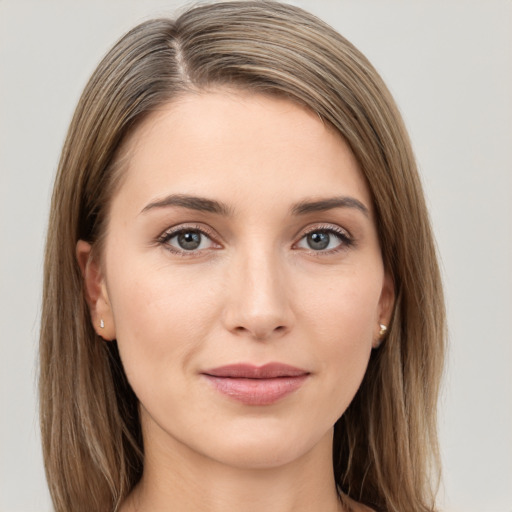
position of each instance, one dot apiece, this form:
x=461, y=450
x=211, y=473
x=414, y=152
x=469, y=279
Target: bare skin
x=242, y=232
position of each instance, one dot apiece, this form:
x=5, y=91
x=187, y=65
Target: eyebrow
x=211, y=206
x=190, y=202
x=305, y=207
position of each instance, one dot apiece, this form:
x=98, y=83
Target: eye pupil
x=318, y=240
x=189, y=240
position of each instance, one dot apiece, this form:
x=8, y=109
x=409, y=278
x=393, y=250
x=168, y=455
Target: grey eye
x=189, y=240
x=324, y=240
x=318, y=240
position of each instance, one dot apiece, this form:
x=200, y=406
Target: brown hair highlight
x=385, y=448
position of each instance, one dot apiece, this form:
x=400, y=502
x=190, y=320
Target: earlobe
x=95, y=291
x=387, y=299
x=386, y=305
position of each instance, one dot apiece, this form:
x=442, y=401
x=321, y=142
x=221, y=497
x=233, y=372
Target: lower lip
x=257, y=391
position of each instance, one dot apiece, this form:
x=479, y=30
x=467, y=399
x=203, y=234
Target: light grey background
x=449, y=66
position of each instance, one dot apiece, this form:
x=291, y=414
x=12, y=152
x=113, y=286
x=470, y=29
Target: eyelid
x=171, y=232
x=323, y=226
x=346, y=238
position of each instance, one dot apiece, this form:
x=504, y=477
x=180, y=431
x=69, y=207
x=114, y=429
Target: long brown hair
x=385, y=445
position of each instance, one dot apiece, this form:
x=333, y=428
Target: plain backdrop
x=449, y=65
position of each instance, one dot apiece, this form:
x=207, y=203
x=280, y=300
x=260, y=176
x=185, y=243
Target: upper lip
x=250, y=371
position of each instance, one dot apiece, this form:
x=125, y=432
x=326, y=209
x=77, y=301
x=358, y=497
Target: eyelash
x=346, y=240
x=164, y=238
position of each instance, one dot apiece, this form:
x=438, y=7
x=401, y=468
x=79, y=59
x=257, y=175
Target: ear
x=95, y=290
x=386, y=305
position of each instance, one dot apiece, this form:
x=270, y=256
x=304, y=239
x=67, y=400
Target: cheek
x=345, y=308
x=161, y=317
x=341, y=322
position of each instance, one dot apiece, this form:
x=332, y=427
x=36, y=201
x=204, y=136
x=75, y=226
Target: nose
x=258, y=299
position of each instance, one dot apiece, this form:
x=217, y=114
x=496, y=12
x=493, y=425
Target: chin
x=265, y=447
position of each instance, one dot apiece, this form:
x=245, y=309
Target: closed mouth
x=256, y=385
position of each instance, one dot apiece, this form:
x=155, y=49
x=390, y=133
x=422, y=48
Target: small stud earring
x=102, y=323
x=383, y=330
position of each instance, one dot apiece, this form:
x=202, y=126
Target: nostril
x=260, y=333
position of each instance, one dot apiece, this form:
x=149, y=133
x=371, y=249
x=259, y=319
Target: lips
x=256, y=385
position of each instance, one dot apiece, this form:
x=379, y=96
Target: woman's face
x=241, y=276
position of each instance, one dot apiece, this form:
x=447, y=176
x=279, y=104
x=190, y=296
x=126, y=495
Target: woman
x=242, y=305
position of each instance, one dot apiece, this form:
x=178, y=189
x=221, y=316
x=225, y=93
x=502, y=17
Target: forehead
x=238, y=146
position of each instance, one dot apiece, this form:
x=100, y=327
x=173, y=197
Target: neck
x=178, y=479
